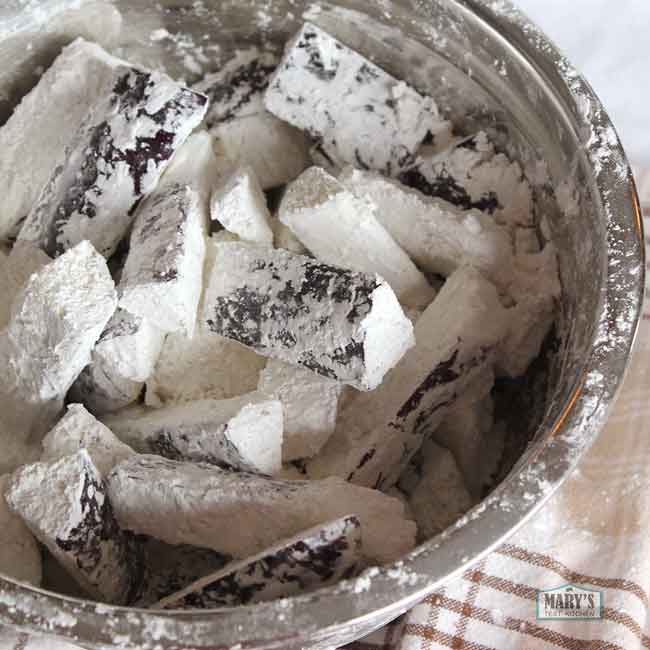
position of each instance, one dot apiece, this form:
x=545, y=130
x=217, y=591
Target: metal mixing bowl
x=488, y=67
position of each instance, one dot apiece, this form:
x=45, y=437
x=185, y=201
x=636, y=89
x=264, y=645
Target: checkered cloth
x=593, y=534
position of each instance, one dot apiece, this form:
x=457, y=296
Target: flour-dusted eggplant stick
x=242, y=514
x=360, y=114
x=309, y=405
x=115, y=159
x=438, y=236
x=471, y=174
x=34, y=139
x=162, y=277
x=378, y=433
x=242, y=433
x=247, y=134
x=314, y=558
x=237, y=89
x=65, y=505
x=77, y=430
x=55, y=321
x=339, y=228
x=123, y=359
x=342, y=324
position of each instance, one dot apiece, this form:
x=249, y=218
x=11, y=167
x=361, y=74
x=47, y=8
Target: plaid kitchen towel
x=593, y=535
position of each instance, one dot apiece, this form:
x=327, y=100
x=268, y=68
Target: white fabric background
x=609, y=41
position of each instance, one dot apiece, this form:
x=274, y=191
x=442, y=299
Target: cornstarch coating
x=242, y=514
x=20, y=557
x=344, y=325
x=314, y=558
x=123, y=359
x=247, y=134
x=339, y=228
x=242, y=433
x=309, y=406
x=77, y=430
x=64, y=504
x=115, y=158
x=361, y=115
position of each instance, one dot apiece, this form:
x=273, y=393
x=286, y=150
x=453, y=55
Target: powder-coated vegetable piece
x=314, y=558
x=123, y=359
x=342, y=324
x=65, y=505
x=361, y=115
x=242, y=433
x=339, y=228
x=242, y=514
x=114, y=160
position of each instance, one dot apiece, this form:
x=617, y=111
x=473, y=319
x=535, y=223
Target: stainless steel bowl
x=488, y=66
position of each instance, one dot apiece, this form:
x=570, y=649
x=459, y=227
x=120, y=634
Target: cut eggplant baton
x=340, y=228
x=115, y=159
x=344, y=325
x=314, y=558
x=243, y=433
x=242, y=514
x=361, y=115
x=64, y=504
x=123, y=359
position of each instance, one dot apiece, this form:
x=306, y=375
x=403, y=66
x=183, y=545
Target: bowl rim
x=383, y=593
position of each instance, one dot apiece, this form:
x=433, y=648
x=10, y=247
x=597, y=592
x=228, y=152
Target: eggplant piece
x=312, y=559
x=344, y=325
x=359, y=113
x=241, y=514
x=242, y=433
x=339, y=228
x=115, y=159
x=66, y=507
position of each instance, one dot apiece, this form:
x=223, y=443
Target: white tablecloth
x=609, y=41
